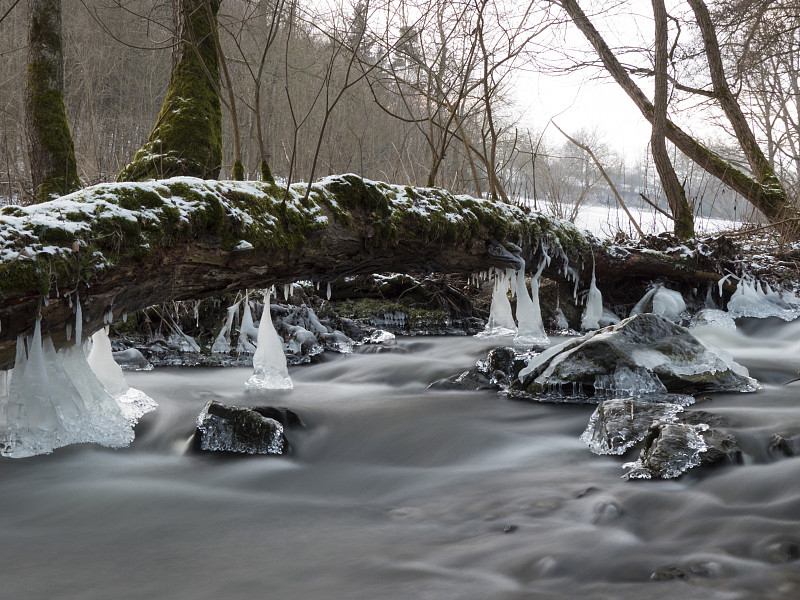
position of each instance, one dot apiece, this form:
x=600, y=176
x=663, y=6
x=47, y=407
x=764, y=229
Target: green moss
x=135, y=198
x=354, y=193
x=55, y=236
x=237, y=174
x=12, y=211
x=266, y=173
x=187, y=139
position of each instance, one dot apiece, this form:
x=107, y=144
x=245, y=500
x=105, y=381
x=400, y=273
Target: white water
x=399, y=492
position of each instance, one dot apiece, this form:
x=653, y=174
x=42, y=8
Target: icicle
x=197, y=313
x=46, y=300
x=529, y=315
x=247, y=331
x=69, y=299
x=124, y=317
x=594, y=306
x=78, y=320
x=287, y=291
x=328, y=292
x=222, y=345
x=69, y=331
x=269, y=363
x=501, y=321
x=511, y=275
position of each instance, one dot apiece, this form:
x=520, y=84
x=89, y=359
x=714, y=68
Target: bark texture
x=187, y=138
x=676, y=196
x=54, y=170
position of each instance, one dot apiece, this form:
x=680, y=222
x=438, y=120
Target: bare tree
x=760, y=188
x=676, y=196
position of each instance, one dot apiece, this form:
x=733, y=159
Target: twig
x=656, y=206
x=588, y=150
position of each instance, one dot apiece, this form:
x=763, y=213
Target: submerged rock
x=641, y=355
x=253, y=430
x=618, y=424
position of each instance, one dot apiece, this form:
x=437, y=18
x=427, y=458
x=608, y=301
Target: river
x=399, y=492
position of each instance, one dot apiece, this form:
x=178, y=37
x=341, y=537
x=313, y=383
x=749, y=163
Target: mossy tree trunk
x=187, y=138
x=54, y=170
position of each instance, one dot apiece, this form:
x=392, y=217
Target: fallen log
x=119, y=247
x=116, y=248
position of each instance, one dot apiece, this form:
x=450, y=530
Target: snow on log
x=119, y=247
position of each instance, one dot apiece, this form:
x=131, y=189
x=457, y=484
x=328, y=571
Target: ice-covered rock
x=501, y=320
x=635, y=357
x=379, y=336
x=222, y=428
x=670, y=449
x=661, y=301
x=713, y=317
x=751, y=299
x=132, y=360
x=620, y=423
x=530, y=331
x=269, y=362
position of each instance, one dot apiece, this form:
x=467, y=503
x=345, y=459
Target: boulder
x=243, y=430
x=618, y=424
x=641, y=355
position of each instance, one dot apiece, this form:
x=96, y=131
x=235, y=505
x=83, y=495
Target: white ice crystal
x=529, y=316
x=269, y=362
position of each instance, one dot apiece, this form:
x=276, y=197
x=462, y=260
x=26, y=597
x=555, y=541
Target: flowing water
x=395, y=491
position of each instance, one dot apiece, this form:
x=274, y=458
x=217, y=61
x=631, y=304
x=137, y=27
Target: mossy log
x=119, y=247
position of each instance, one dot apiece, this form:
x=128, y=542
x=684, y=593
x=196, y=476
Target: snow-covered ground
x=604, y=221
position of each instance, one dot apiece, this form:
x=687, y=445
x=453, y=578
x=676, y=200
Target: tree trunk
x=676, y=196
x=187, y=138
x=51, y=151
x=771, y=200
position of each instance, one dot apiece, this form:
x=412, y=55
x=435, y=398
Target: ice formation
x=501, y=321
x=619, y=424
x=594, y=307
x=661, y=301
x=269, y=363
x=752, y=300
x=529, y=315
x=222, y=344
x=248, y=332
x=134, y=403
x=53, y=399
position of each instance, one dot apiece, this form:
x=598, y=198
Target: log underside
x=349, y=227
